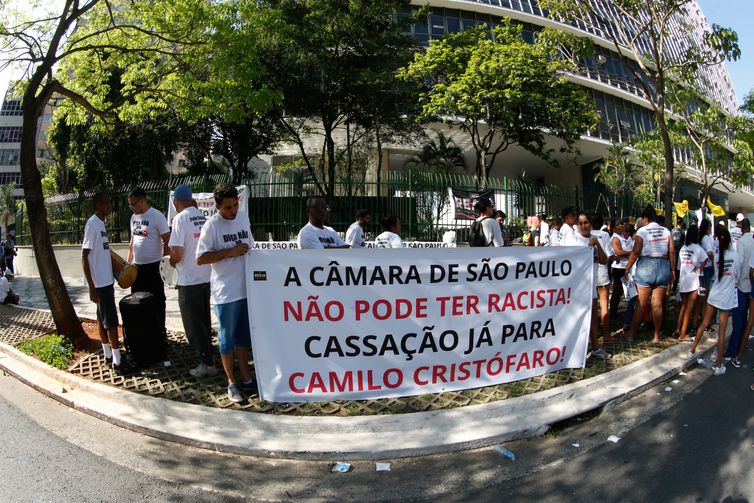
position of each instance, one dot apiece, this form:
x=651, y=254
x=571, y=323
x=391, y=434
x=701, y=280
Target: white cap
x=739, y=217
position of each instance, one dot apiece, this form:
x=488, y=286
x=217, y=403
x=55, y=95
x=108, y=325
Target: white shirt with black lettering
x=146, y=232
x=355, y=235
x=96, y=241
x=228, y=278
x=391, y=240
x=187, y=228
x=314, y=238
x=691, y=258
x=626, y=244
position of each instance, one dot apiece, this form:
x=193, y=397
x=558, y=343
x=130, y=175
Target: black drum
x=142, y=329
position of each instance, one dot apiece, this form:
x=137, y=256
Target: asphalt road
x=694, y=442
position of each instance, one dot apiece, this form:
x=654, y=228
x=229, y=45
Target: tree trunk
x=63, y=313
x=330, y=152
x=378, y=138
x=669, y=168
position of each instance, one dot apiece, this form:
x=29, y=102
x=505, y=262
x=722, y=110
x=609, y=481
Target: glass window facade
x=6, y=178
x=9, y=157
x=11, y=107
x=10, y=134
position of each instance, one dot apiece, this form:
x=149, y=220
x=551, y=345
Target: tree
x=640, y=31
x=134, y=35
x=501, y=91
x=7, y=205
x=715, y=142
x=335, y=63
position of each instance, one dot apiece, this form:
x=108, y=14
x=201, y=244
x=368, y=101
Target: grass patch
x=55, y=350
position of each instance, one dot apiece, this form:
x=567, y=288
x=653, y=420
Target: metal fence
x=277, y=204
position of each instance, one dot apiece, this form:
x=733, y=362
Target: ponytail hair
x=723, y=240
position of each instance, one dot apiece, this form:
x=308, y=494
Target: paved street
x=693, y=443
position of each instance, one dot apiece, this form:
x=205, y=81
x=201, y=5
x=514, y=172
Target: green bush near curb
x=55, y=350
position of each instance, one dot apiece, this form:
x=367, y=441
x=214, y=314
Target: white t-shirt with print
x=723, y=294
x=579, y=240
x=568, y=236
x=655, y=240
x=4, y=288
x=100, y=263
x=392, y=240
x=314, y=238
x=690, y=258
x=493, y=235
x=355, y=235
x=146, y=232
x=708, y=245
x=627, y=244
x=228, y=278
x=187, y=227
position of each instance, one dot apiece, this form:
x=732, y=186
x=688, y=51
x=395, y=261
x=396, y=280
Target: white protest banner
x=293, y=245
x=360, y=324
x=416, y=244
x=205, y=201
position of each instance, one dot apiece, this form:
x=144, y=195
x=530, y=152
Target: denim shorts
x=234, y=326
x=652, y=272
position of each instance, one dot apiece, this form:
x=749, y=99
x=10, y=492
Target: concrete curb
x=353, y=438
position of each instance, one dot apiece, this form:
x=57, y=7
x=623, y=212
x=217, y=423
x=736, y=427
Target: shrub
x=55, y=350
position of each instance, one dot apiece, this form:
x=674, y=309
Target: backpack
x=476, y=233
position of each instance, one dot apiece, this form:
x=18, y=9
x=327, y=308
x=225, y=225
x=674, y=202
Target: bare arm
x=176, y=255
x=618, y=249
x=93, y=295
x=165, y=247
x=131, y=250
x=217, y=256
x=638, y=245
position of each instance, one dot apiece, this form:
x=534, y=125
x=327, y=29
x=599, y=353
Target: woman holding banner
x=585, y=238
x=655, y=269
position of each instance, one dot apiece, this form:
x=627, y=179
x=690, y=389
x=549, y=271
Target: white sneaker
x=718, y=371
x=200, y=371
x=687, y=356
x=211, y=370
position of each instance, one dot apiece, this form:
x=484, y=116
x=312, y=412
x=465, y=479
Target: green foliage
x=619, y=174
x=501, y=91
x=54, y=350
x=8, y=206
x=439, y=156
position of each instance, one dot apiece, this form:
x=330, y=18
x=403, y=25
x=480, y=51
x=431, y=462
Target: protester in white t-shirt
x=193, y=279
x=544, y=231
x=585, y=238
x=224, y=242
x=315, y=235
x=557, y=223
x=745, y=250
x=722, y=296
x=490, y=227
x=707, y=274
x=98, y=271
x=691, y=258
x=391, y=238
x=6, y=293
x=736, y=232
x=603, y=275
x=355, y=233
x=149, y=243
x=655, y=270
x=569, y=228
x=750, y=323
x=621, y=244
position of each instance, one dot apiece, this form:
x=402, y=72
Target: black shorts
x=106, y=312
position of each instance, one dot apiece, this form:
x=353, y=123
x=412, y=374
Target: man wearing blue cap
x=193, y=279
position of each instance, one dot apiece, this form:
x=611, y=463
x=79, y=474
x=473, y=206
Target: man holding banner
x=224, y=241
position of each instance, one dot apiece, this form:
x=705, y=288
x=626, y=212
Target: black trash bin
x=142, y=330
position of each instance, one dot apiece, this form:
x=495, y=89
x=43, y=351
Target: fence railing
x=277, y=204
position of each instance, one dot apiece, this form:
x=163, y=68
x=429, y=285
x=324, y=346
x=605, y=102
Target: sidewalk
x=170, y=404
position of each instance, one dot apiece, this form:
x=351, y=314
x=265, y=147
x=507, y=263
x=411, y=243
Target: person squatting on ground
x=722, y=296
x=149, y=243
x=622, y=243
x=6, y=293
x=603, y=273
x=193, y=280
x=745, y=251
x=98, y=271
x=355, y=234
x=224, y=242
x=692, y=259
x=315, y=235
x=653, y=248
x=490, y=227
x=585, y=238
x=390, y=238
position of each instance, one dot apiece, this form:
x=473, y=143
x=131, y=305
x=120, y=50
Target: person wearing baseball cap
x=193, y=279
x=736, y=232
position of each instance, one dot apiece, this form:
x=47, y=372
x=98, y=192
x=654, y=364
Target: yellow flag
x=716, y=210
x=681, y=208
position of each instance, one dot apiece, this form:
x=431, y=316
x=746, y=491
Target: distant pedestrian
x=500, y=217
x=149, y=243
x=356, y=232
x=722, y=296
x=315, y=234
x=621, y=243
x=678, y=235
x=569, y=229
x=485, y=230
x=544, y=230
x=98, y=271
x=9, y=251
x=737, y=231
x=708, y=275
x=603, y=273
x=224, y=242
x=390, y=237
x=193, y=279
x=740, y=314
x=557, y=223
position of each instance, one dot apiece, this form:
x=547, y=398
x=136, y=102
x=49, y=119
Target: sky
x=736, y=14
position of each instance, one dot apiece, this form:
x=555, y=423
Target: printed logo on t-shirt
x=103, y=234
x=236, y=237
x=326, y=241
x=106, y=245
